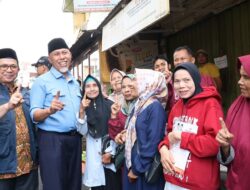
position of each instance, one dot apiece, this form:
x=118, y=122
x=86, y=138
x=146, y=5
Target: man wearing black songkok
x=55, y=102
x=18, y=160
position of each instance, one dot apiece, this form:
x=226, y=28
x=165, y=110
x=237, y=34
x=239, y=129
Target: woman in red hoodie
x=189, y=149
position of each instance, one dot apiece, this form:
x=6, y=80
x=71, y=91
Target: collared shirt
x=44, y=90
x=24, y=160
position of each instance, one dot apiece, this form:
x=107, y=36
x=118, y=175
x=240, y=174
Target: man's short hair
x=185, y=47
x=160, y=57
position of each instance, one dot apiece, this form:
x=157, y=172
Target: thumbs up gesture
x=16, y=99
x=56, y=104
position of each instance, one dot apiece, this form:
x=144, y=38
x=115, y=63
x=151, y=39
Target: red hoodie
x=202, y=112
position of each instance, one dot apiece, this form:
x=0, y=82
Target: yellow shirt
x=209, y=69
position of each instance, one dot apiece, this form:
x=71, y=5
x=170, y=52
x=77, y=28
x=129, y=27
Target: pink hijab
x=238, y=122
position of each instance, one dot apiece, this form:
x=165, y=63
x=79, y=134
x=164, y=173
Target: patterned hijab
x=152, y=86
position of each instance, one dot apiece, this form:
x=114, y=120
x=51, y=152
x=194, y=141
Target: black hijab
x=195, y=74
x=98, y=113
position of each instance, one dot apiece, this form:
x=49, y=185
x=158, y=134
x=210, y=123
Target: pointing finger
x=18, y=90
x=223, y=125
x=57, y=95
x=85, y=96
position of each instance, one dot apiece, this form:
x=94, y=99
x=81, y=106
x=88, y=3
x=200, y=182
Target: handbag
x=105, y=143
x=155, y=170
x=119, y=157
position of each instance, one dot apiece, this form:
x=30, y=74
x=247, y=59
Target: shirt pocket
x=51, y=95
x=62, y=94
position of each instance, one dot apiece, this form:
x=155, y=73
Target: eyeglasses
x=5, y=67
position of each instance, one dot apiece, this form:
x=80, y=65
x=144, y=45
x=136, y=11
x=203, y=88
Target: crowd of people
x=176, y=114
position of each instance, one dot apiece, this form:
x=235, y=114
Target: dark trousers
x=113, y=181
x=60, y=160
x=24, y=182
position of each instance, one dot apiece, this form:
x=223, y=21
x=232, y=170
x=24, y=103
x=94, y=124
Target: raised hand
x=85, y=102
x=115, y=108
x=56, y=104
x=121, y=137
x=224, y=137
x=168, y=76
x=16, y=98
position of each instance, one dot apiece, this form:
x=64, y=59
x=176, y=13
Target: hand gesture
x=168, y=76
x=224, y=137
x=167, y=159
x=115, y=108
x=121, y=137
x=16, y=99
x=56, y=104
x=85, y=102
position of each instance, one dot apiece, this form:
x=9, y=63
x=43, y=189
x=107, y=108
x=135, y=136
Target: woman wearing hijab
x=144, y=130
x=234, y=139
x=115, y=81
x=119, y=113
x=188, y=151
x=93, y=122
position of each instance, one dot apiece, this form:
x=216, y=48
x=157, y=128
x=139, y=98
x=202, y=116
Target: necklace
x=94, y=105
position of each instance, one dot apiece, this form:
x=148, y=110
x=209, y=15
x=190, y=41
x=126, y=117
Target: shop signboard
x=138, y=54
x=221, y=62
x=136, y=16
x=94, y=5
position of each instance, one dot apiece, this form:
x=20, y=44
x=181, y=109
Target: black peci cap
x=8, y=53
x=57, y=43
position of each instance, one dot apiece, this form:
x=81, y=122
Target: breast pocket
x=58, y=93
x=52, y=94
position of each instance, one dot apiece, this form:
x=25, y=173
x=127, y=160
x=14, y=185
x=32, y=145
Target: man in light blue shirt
x=55, y=100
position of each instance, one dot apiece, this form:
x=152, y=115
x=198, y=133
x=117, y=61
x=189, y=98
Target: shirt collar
x=57, y=74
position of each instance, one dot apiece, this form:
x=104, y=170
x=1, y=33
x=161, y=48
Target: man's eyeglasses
x=5, y=67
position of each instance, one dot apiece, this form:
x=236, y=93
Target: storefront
x=123, y=40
